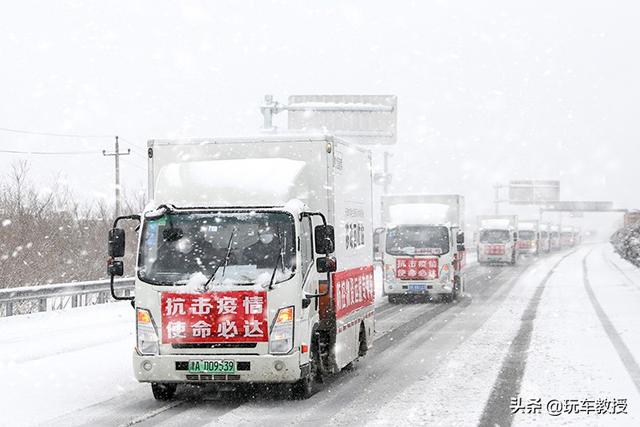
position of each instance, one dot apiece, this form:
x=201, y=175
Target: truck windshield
x=417, y=239
x=181, y=247
x=527, y=235
x=494, y=236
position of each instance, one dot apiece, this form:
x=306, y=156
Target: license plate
x=416, y=287
x=212, y=366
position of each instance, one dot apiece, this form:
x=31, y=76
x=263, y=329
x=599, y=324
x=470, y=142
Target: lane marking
x=507, y=385
x=623, y=351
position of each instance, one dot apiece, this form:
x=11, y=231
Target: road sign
x=530, y=192
x=363, y=119
x=581, y=206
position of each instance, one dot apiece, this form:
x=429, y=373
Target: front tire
x=393, y=299
x=163, y=391
x=304, y=388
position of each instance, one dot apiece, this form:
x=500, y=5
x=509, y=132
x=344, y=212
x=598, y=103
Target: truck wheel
x=393, y=299
x=163, y=391
x=305, y=387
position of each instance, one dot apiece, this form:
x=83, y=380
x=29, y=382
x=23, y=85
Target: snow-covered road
x=562, y=329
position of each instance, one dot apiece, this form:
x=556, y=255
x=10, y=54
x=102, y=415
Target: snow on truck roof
x=421, y=213
x=498, y=223
x=259, y=181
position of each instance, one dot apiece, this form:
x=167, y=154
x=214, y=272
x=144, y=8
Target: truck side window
x=306, y=247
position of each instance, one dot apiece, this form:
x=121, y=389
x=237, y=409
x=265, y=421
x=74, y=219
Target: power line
x=52, y=153
x=61, y=135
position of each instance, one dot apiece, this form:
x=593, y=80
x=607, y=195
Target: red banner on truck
x=353, y=289
x=214, y=317
x=417, y=268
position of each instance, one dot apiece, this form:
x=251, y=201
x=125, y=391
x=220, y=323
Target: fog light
x=146, y=365
x=279, y=365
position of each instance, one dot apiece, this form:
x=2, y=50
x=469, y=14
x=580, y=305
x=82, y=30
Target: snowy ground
x=535, y=331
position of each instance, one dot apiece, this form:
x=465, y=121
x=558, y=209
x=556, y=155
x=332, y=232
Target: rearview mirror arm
x=113, y=291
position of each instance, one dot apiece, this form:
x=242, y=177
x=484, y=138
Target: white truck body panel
x=278, y=173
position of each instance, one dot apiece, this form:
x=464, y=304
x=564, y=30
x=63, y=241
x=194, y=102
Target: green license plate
x=212, y=366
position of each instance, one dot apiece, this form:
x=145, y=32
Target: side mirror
x=324, y=237
x=460, y=238
x=326, y=264
x=116, y=242
x=115, y=268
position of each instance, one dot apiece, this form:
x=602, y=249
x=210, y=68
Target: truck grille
x=214, y=377
x=216, y=345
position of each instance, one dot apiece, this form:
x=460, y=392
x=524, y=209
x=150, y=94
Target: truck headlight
x=146, y=332
x=281, y=337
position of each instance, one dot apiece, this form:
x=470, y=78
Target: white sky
x=488, y=90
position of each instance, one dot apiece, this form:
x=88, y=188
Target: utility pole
x=116, y=154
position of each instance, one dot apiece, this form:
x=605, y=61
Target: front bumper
x=493, y=258
x=262, y=368
x=528, y=251
x=417, y=288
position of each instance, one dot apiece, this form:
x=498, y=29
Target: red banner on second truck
x=417, y=268
x=214, y=317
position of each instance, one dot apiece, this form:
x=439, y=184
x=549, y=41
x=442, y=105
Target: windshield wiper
x=222, y=262
x=278, y=259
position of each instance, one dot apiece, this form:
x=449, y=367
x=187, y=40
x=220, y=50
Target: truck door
x=310, y=282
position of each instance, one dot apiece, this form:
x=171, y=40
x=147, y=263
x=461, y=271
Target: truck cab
x=545, y=238
x=529, y=238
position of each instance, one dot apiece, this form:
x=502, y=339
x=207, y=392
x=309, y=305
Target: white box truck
x=255, y=261
x=554, y=237
x=422, y=246
x=529, y=237
x=545, y=237
x=498, y=238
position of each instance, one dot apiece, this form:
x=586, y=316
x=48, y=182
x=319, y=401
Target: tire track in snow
x=617, y=267
x=621, y=348
x=509, y=379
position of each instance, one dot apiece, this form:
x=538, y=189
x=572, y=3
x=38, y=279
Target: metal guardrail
x=32, y=299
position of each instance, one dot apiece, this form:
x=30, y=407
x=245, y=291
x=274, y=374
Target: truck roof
x=416, y=209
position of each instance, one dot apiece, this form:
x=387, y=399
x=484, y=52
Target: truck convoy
x=241, y=276
x=498, y=237
x=529, y=237
x=423, y=246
